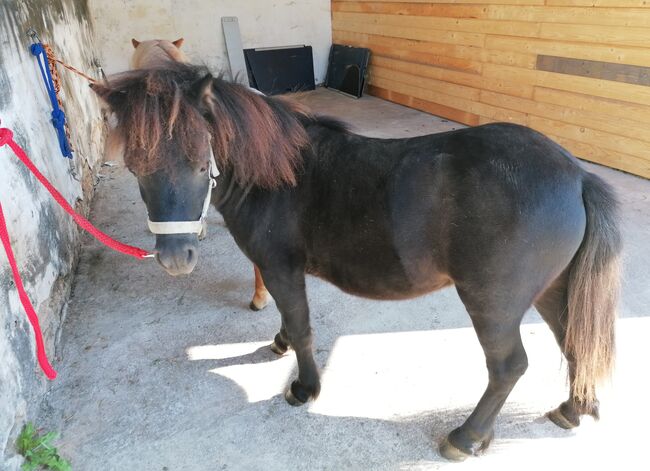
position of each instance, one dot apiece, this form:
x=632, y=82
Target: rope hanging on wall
x=6, y=137
x=47, y=65
x=58, y=116
x=50, y=76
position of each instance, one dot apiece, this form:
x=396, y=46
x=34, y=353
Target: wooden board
x=598, y=3
x=598, y=52
x=634, y=74
x=571, y=15
x=611, y=109
x=596, y=34
x=468, y=25
x=388, y=47
x=494, y=2
x=439, y=110
x=480, y=82
x=586, y=85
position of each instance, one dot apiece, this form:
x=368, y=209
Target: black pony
x=499, y=211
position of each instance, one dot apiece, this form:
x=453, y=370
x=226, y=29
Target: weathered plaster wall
x=43, y=237
x=263, y=23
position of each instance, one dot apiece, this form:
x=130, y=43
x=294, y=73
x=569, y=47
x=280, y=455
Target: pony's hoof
x=278, y=346
x=291, y=399
x=257, y=306
x=297, y=394
x=558, y=418
x=460, y=453
x=450, y=452
x=278, y=349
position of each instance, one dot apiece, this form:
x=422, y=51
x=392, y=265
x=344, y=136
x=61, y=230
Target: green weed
x=38, y=450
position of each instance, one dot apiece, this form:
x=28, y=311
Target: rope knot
x=36, y=49
x=58, y=118
x=6, y=136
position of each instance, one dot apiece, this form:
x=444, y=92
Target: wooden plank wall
x=476, y=61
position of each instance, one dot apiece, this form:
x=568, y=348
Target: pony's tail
x=593, y=291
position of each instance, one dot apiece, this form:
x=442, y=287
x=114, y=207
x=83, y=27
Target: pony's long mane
x=260, y=139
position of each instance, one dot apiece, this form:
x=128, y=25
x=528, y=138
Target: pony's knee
x=508, y=371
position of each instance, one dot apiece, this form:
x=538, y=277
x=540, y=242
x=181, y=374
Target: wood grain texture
x=389, y=45
x=461, y=2
x=600, y=3
x=577, y=70
x=610, y=109
x=460, y=78
x=569, y=15
x=455, y=2
x=469, y=119
x=598, y=52
x=596, y=34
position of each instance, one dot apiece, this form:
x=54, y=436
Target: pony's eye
x=203, y=169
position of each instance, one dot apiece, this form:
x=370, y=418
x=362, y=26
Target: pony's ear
x=135, y=42
x=201, y=92
x=178, y=43
x=114, y=98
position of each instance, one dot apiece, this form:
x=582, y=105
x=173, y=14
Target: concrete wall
x=263, y=23
x=44, y=239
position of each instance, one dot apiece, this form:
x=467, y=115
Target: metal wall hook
x=31, y=32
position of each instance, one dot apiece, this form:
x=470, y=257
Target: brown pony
x=156, y=53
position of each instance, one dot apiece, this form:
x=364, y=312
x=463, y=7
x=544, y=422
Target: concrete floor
x=162, y=373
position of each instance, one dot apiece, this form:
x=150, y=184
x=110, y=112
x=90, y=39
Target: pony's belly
x=386, y=286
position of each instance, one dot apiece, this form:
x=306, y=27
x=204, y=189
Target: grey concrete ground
x=161, y=373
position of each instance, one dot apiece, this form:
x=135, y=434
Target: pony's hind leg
x=552, y=305
x=261, y=297
x=497, y=327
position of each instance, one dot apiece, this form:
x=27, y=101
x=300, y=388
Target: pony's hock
x=383, y=219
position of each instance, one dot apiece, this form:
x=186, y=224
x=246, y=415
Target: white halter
x=190, y=227
x=193, y=227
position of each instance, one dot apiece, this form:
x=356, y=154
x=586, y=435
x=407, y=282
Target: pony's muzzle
x=177, y=253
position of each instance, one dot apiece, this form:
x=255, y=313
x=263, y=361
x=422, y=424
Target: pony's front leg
x=288, y=290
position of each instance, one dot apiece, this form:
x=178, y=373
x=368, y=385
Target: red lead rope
x=27, y=304
x=6, y=137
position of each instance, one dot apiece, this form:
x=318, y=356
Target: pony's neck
x=229, y=196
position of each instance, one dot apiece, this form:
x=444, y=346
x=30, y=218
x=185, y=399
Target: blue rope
x=58, y=116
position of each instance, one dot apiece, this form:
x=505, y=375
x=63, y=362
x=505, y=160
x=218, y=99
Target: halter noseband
x=190, y=227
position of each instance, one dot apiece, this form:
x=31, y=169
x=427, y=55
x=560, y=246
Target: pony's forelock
x=155, y=120
x=160, y=114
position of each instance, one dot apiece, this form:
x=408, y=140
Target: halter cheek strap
x=190, y=227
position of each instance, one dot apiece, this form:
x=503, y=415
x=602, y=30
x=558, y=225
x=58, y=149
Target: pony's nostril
x=191, y=255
